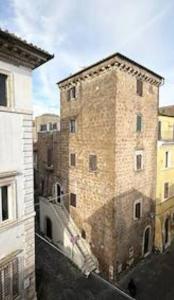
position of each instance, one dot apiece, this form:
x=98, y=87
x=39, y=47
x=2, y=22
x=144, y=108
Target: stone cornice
x=19, y=52
x=116, y=62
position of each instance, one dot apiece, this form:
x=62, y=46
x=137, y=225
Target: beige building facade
x=17, y=246
x=45, y=123
x=108, y=158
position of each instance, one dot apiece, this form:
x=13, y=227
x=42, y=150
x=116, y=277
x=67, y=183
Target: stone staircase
x=90, y=263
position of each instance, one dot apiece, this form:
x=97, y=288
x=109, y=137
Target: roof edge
x=116, y=54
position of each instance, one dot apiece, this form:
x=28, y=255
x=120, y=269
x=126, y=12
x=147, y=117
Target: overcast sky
x=80, y=32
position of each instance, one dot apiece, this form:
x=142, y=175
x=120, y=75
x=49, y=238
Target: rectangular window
x=166, y=159
x=139, y=87
x=137, y=210
x=54, y=126
x=138, y=160
x=3, y=90
x=72, y=93
x=4, y=203
x=92, y=162
x=139, y=123
x=159, y=130
x=43, y=127
x=166, y=190
x=72, y=159
x=9, y=280
x=73, y=199
x=72, y=126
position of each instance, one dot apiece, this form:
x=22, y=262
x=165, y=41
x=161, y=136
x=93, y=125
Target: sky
x=80, y=32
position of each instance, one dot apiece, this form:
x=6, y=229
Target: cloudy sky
x=80, y=32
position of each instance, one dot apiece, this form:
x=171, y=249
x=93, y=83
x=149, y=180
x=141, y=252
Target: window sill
x=168, y=168
x=139, y=170
x=7, y=223
x=73, y=99
x=137, y=219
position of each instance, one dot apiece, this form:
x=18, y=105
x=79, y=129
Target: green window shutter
x=139, y=123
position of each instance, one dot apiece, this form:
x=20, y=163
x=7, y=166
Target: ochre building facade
x=164, y=232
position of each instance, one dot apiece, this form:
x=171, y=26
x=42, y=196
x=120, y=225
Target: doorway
x=58, y=192
x=146, y=242
x=166, y=232
x=49, y=228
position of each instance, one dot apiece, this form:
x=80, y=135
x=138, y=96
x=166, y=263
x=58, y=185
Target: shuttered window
x=72, y=159
x=139, y=162
x=71, y=93
x=139, y=87
x=72, y=126
x=166, y=190
x=3, y=92
x=9, y=280
x=139, y=123
x=92, y=162
x=73, y=199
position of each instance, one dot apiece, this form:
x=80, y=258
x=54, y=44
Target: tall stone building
x=17, y=251
x=108, y=164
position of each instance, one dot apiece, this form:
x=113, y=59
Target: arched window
x=49, y=228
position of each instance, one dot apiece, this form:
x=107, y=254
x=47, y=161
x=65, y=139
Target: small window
x=166, y=159
x=73, y=199
x=138, y=160
x=4, y=203
x=72, y=126
x=139, y=87
x=72, y=93
x=72, y=159
x=166, y=190
x=43, y=127
x=3, y=90
x=92, y=162
x=137, y=210
x=49, y=157
x=54, y=126
x=83, y=234
x=9, y=280
x=159, y=130
x=139, y=123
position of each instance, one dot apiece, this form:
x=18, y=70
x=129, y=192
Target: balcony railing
x=167, y=136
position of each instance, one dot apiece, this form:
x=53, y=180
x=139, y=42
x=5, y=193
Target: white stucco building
x=17, y=253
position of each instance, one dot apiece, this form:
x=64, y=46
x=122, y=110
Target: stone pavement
x=59, y=279
x=154, y=277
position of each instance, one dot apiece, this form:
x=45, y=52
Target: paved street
x=154, y=277
x=59, y=279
